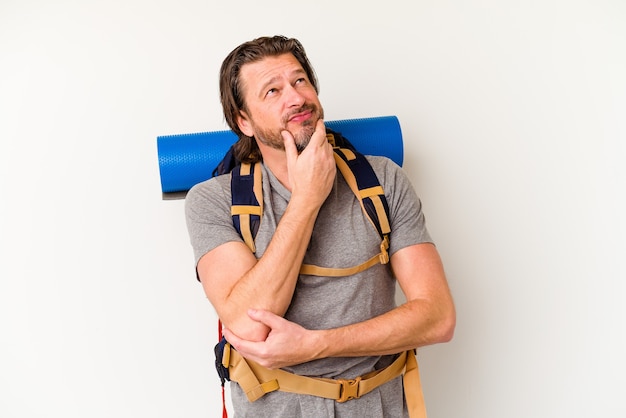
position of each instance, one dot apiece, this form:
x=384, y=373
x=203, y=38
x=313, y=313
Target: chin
x=304, y=137
x=300, y=146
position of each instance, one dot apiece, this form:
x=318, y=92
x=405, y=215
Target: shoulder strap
x=363, y=182
x=247, y=203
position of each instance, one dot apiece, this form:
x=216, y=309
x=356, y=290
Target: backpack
x=247, y=211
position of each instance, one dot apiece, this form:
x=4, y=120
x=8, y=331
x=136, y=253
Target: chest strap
x=256, y=381
x=371, y=197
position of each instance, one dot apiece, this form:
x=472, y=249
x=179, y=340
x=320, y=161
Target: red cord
x=219, y=334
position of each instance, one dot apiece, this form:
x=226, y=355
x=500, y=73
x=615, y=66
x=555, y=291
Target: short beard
x=303, y=138
x=274, y=139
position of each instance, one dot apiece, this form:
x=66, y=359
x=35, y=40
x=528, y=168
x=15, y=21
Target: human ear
x=243, y=121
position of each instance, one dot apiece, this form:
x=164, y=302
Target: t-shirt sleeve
x=408, y=223
x=207, y=213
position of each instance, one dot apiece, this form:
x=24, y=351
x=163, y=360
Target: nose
x=293, y=98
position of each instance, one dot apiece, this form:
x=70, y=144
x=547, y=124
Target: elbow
x=256, y=333
x=447, y=325
x=249, y=330
x=447, y=329
x=441, y=325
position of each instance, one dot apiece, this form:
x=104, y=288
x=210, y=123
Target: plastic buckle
x=349, y=389
x=384, y=255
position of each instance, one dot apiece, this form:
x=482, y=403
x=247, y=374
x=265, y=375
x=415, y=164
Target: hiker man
x=287, y=329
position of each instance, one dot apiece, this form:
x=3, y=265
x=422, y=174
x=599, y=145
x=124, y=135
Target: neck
x=276, y=161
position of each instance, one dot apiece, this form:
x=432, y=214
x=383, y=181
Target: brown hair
x=231, y=94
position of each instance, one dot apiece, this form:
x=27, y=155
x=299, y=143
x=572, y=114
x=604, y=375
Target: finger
x=267, y=318
x=290, y=144
x=320, y=132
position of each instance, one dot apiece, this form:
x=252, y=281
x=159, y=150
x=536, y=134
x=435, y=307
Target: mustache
x=307, y=107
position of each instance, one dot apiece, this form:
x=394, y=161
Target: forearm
x=414, y=324
x=269, y=284
x=428, y=316
x=409, y=326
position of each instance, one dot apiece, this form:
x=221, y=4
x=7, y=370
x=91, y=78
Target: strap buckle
x=384, y=254
x=349, y=389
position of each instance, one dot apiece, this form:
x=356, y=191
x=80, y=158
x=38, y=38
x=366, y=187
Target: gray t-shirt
x=342, y=237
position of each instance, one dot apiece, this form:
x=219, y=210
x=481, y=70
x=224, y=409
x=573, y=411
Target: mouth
x=301, y=117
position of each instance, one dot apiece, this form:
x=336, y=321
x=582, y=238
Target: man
x=328, y=327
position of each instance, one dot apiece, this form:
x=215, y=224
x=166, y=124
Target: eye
x=270, y=92
x=301, y=80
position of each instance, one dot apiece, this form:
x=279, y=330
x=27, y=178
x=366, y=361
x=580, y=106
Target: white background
x=513, y=115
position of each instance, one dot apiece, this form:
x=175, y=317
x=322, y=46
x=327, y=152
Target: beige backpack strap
x=373, y=193
x=413, y=388
x=256, y=380
x=241, y=373
x=382, y=258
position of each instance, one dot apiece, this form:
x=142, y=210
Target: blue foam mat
x=188, y=159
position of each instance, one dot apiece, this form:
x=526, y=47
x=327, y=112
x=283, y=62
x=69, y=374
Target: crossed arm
x=428, y=317
x=253, y=295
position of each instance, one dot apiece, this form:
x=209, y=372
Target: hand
x=286, y=344
x=312, y=172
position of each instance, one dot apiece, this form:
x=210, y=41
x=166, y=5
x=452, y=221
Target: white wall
x=513, y=116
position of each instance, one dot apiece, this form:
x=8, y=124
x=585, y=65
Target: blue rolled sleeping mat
x=188, y=159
